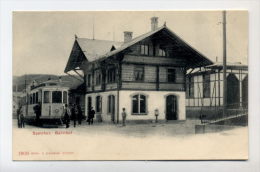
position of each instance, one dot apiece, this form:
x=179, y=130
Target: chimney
x=154, y=23
x=128, y=36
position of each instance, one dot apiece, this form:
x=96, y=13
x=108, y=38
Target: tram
x=51, y=96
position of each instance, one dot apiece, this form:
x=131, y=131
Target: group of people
x=74, y=113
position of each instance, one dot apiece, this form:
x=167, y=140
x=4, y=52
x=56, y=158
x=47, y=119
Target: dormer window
x=161, y=52
x=144, y=49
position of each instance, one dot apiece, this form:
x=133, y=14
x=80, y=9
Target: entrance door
x=46, y=105
x=232, y=91
x=111, y=107
x=171, y=107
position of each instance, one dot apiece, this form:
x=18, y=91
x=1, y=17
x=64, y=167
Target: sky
x=42, y=41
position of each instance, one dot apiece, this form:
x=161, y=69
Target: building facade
x=204, y=89
x=142, y=75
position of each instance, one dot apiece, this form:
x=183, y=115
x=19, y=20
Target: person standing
x=18, y=113
x=67, y=116
x=22, y=120
x=91, y=115
x=79, y=113
x=74, y=114
x=124, y=116
x=156, y=113
x=37, y=111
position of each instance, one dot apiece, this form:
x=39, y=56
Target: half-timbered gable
x=204, y=90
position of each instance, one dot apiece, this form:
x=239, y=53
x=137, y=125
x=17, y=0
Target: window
x=111, y=104
x=89, y=80
x=139, y=73
x=65, y=97
x=111, y=75
x=98, y=104
x=40, y=96
x=89, y=103
x=190, y=87
x=46, y=97
x=139, y=104
x=161, y=52
x=171, y=75
x=98, y=77
x=33, y=101
x=144, y=50
x=56, y=97
x=36, y=98
x=206, y=86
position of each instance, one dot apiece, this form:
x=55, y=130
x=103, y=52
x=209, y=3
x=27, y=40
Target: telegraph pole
x=27, y=97
x=93, y=31
x=224, y=66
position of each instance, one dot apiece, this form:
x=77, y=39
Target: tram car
x=51, y=96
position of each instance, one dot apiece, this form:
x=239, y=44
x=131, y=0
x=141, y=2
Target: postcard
x=130, y=85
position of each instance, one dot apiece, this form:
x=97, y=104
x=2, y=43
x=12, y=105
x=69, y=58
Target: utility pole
x=27, y=97
x=113, y=33
x=224, y=66
x=93, y=31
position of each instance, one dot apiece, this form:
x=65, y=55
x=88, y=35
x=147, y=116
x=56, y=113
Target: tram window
x=65, y=97
x=56, y=97
x=46, y=97
x=33, y=98
x=40, y=96
x=36, y=97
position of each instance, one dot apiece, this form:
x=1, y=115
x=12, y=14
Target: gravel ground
x=101, y=141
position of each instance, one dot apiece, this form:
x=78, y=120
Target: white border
x=6, y=163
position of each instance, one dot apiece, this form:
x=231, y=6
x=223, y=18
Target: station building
x=141, y=74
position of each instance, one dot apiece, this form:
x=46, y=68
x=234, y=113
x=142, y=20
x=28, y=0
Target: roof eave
x=68, y=66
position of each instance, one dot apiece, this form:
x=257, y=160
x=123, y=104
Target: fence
x=233, y=110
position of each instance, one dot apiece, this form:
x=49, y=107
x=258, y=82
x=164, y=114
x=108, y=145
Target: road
x=171, y=140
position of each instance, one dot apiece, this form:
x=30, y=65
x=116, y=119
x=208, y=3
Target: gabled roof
x=98, y=50
x=130, y=43
x=89, y=50
x=93, y=49
x=198, y=59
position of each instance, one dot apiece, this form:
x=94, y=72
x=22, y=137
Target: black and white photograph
x=130, y=85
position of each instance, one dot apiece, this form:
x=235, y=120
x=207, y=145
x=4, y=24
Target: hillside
x=19, y=81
